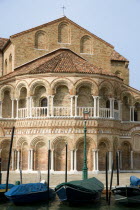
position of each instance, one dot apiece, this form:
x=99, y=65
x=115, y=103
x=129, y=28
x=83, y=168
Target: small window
x=10, y=63
x=5, y=66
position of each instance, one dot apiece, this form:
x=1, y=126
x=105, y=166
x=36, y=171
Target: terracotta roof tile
x=117, y=57
x=59, y=61
x=3, y=41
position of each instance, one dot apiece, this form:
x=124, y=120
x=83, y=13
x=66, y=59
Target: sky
x=115, y=21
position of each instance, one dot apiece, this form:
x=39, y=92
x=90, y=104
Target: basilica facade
x=50, y=75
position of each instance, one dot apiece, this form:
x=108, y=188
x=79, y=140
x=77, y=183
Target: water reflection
x=56, y=205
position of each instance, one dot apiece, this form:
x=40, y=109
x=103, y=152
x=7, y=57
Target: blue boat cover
x=3, y=186
x=134, y=181
x=27, y=189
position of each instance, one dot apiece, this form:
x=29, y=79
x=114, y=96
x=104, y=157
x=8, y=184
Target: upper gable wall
x=1, y=62
x=25, y=46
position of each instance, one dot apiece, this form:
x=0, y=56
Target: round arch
x=59, y=82
x=34, y=84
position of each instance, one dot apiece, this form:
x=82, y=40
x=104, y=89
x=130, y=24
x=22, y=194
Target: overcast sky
x=115, y=21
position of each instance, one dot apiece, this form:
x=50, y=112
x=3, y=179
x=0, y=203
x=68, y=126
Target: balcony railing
x=80, y=111
x=63, y=112
x=104, y=113
x=39, y=112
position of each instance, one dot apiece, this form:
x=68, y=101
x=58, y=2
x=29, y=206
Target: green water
x=56, y=205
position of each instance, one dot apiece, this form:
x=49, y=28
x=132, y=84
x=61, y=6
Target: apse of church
x=51, y=74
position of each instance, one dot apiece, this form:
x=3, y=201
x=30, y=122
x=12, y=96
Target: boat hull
x=71, y=195
x=31, y=198
x=127, y=195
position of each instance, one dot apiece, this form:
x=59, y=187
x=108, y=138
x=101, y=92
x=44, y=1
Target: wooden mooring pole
x=106, y=176
x=49, y=152
x=66, y=163
x=117, y=167
x=8, y=166
x=111, y=179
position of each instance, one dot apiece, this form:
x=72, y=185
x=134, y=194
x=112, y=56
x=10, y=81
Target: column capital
x=71, y=96
x=76, y=96
x=95, y=150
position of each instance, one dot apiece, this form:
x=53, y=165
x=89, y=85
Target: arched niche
x=23, y=97
x=24, y=156
x=125, y=109
x=80, y=155
x=7, y=105
x=103, y=149
x=62, y=96
x=85, y=98
x=41, y=40
x=60, y=155
x=86, y=45
x=5, y=146
x=41, y=156
x=126, y=155
x=64, y=33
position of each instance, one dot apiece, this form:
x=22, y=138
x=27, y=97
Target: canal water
x=56, y=205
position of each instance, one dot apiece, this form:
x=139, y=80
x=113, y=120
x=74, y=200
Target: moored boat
x=3, y=189
x=80, y=191
x=128, y=194
x=30, y=193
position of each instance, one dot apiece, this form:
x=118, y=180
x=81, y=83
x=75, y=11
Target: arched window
x=116, y=105
x=85, y=45
x=43, y=102
x=10, y=63
x=41, y=40
x=107, y=104
x=63, y=33
x=5, y=66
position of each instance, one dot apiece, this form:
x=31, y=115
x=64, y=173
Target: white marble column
x=18, y=159
x=29, y=159
x=17, y=108
x=13, y=159
x=30, y=106
x=110, y=160
x=12, y=116
x=76, y=97
x=131, y=160
x=52, y=160
x=120, y=109
x=32, y=159
x=95, y=160
x=0, y=109
x=52, y=106
x=71, y=160
x=120, y=152
x=111, y=107
x=95, y=106
x=98, y=106
x=48, y=106
x=75, y=160
x=71, y=107
x=132, y=108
